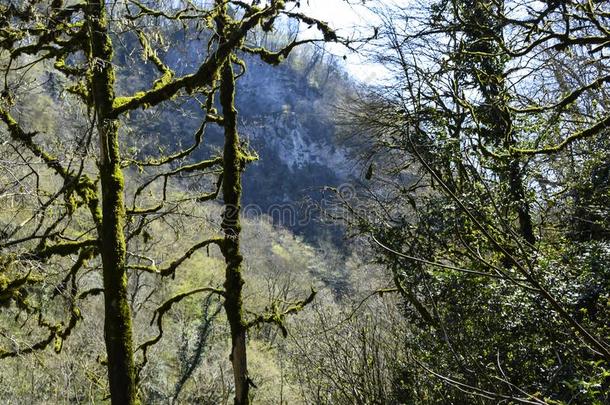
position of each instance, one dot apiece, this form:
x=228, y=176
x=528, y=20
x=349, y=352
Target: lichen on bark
x=117, y=322
x=233, y=163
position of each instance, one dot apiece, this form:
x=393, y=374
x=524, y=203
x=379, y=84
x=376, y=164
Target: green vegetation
x=482, y=143
x=474, y=262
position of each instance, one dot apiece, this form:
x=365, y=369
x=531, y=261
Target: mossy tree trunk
x=484, y=33
x=233, y=164
x=117, y=322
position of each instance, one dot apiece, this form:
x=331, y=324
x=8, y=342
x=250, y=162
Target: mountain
x=286, y=118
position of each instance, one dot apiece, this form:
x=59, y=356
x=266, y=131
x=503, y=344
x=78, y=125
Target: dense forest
x=199, y=203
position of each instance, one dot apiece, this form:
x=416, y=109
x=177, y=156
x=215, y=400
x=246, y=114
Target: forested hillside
x=285, y=113
x=199, y=205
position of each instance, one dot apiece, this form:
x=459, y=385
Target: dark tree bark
x=233, y=165
x=117, y=321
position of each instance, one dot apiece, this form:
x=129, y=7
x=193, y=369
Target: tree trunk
x=517, y=191
x=117, y=321
x=489, y=73
x=233, y=165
